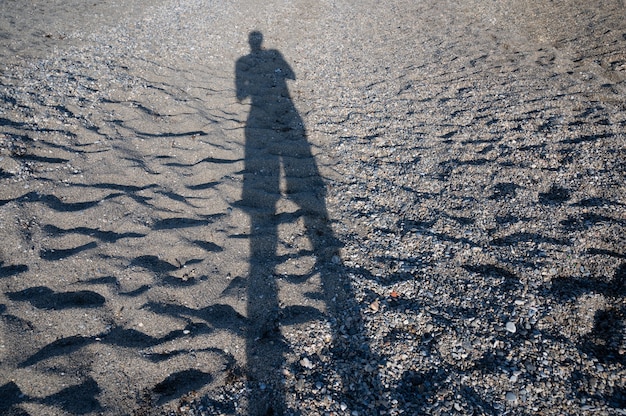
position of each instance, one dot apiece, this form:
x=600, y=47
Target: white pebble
x=306, y=363
x=510, y=326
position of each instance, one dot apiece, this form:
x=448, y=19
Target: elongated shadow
x=276, y=152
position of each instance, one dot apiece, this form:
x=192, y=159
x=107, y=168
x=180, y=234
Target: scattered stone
x=510, y=327
x=306, y=363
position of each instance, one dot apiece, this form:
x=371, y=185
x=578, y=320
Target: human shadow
x=278, y=164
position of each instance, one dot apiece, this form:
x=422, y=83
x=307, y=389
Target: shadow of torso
x=275, y=134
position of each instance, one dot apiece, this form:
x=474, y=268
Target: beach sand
x=391, y=207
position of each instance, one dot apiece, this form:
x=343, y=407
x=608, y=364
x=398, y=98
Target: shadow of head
x=255, y=39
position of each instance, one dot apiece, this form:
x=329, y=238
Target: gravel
x=474, y=167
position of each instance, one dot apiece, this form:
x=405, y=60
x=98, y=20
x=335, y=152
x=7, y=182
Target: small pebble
x=306, y=363
x=510, y=326
x=510, y=396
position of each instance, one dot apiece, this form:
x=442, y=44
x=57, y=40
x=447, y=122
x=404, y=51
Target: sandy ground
x=390, y=207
